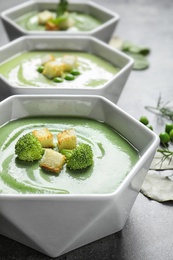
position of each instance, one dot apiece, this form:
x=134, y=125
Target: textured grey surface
x=148, y=233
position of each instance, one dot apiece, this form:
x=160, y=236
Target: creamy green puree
x=82, y=22
x=114, y=157
x=21, y=70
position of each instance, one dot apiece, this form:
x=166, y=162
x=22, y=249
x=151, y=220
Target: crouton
x=67, y=139
x=70, y=62
x=44, y=136
x=50, y=26
x=52, y=160
x=44, y=16
x=53, y=69
x=47, y=58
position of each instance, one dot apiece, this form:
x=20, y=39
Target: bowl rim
x=115, y=17
x=100, y=196
x=128, y=66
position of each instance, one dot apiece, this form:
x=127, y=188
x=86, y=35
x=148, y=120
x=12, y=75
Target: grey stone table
x=148, y=233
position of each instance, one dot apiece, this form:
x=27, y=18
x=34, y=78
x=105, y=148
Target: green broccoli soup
x=113, y=158
x=57, y=69
x=74, y=21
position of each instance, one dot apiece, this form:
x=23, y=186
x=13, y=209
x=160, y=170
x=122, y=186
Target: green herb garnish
x=166, y=138
x=167, y=155
x=162, y=109
x=62, y=7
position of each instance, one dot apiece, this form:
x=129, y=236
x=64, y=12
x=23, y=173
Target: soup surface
x=21, y=70
x=114, y=157
x=82, y=22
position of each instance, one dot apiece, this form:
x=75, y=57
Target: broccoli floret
x=79, y=157
x=28, y=148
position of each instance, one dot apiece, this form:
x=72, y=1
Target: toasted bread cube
x=47, y=58
x=52, y=160
x=44, y=16
x=53, y=69
x=44, y=136
x=50, y=26
x=67, y=139
x=70, y=62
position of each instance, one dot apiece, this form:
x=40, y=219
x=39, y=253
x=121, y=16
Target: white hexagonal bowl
x=111, y=89
x=56, y=224
x=104, y=32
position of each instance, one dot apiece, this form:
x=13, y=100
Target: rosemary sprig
x=161, y=109
x=167, y=154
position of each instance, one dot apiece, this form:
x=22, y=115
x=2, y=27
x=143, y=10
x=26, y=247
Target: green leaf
x=140, y=61
x=131, y=47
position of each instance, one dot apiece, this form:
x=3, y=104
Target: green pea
x=164, y=137
x=58, y=80
x=144, y=120
x=69, y=76
x=40, y=69
x=171, y=135
x=75, y=72
x=150, y=127
x=168, y=128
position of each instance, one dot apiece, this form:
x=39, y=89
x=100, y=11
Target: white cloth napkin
x=158, y=183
